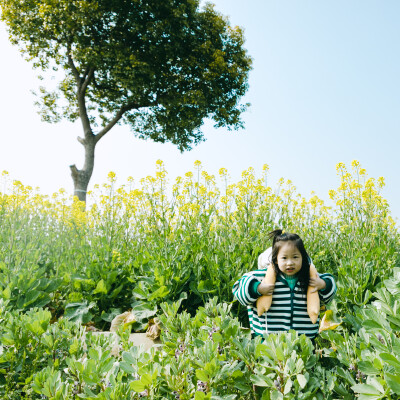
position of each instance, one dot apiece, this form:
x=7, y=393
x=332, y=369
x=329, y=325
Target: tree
x=161, y=67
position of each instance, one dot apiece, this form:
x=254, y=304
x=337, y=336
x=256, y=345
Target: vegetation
x=176, y=253
x=159, y=67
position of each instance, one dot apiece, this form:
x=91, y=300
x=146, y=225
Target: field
x=173, y=255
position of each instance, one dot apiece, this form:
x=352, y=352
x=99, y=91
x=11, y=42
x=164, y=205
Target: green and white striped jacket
x=288, y=309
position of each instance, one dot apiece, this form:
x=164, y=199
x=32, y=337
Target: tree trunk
x=82, y=177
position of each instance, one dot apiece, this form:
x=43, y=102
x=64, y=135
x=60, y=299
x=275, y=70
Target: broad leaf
x=393, y=382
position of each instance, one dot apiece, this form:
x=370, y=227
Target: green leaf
x=101, y=287
x=244, y=387
x=128, y=357
x=202, y=375
x=36, y=328
x=390, y=359
x=143, y=310
x=79, y=312
x=109, y=316
x=198, y=342
x=160, y=293
x=6, y=293
x=364, y=388
x=288, y=386
x=206, y=286
x=127, y=367
x=217, y=337
x=90, y=379
x=237, y=374
x=378, y=363
x=137, y=386
x=393, y=382
x=199, y=396
x=261, y=380
x=28, y=299
x=279, y=354
x=371, y=324
x=299, y=365
x=369, y=397
x=377, y=385
x=275, y=395
x=302, y=380
x=146, y=379
x=367, y=368
x=74, y=347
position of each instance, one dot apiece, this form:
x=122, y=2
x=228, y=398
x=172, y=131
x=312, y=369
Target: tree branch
x=118, y=116
x=74, y=171
x=86, y=72
x=88, y=78
x=73, y=68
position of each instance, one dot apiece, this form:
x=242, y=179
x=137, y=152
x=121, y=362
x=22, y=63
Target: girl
x=289, y=301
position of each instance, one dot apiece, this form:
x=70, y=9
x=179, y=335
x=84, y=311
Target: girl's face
x=289, y=259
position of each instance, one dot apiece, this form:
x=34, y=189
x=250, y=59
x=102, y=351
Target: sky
x=324, y=89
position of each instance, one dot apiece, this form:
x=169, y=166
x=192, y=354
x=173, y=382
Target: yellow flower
x=340, y=166
x=321, y=222
x=160, y=174
x=355, y=164
x=223, y=171
x=355, y=185
x=370, y=183
x=111, y=176
x=224, y=200
x=150, y=179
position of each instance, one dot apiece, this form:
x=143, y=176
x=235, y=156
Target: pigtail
x=274, y=235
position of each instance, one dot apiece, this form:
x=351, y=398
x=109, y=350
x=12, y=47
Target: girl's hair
x=278, y=239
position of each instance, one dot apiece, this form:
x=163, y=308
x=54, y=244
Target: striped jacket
x=288, y=309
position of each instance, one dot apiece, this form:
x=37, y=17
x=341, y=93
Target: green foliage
x=205, y=356
x=162, y=66
x=138, y=247
x=368, y=358
x=30, y=343
x=28, y=287
x=177, y=258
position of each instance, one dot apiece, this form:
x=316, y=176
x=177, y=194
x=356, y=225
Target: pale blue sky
x=324, y=89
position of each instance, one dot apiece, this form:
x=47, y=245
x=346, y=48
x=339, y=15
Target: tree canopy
x=161, y=67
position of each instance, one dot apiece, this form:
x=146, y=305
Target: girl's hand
x=317, y=284
x=266, y=289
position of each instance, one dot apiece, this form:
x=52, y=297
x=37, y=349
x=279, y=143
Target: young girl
x=289, y=294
